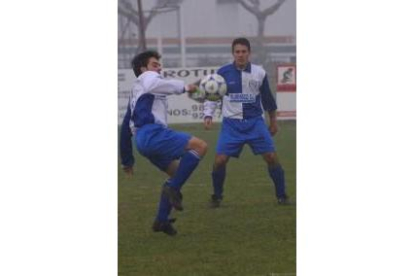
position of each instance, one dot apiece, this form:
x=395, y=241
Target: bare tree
x=126, y=9
x=253, y=6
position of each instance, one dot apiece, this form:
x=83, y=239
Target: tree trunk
x=261, y=53
x=141, y=29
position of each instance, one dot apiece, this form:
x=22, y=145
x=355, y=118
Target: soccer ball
x=213, y=86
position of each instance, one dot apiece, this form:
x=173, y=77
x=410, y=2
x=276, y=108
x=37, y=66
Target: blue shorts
x=237, y=132
x=161, y=145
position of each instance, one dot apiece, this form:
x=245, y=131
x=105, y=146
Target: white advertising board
x=182, y=109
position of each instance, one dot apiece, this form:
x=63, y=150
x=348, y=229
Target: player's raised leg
x=194, y=151
x=162, y=221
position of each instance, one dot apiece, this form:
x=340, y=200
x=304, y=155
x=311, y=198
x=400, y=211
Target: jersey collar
x=247, y=69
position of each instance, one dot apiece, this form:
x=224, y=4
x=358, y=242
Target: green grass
x=249, y=235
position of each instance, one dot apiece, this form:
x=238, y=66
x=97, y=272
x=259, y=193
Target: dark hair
x=141, y=60
x=242, y=41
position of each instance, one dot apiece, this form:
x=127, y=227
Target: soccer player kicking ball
x=174, y=153
x=248, y=93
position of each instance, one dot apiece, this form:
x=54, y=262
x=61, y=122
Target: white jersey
x=148, y=100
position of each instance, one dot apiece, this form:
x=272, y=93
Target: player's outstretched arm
x=194, y=93
x=190, y=88
x=153, y=83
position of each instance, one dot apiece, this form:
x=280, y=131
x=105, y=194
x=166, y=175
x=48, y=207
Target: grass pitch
x=249, y=235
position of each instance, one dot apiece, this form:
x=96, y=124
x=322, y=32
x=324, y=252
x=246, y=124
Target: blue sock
x=188, y=163
x=278, y=176
x=164, y=208
x=218, y=175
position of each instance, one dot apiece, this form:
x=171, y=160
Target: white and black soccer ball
x=213, y=86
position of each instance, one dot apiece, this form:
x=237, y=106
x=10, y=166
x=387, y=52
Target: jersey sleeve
x=127, y=157
x=268, y=101
x=153, y=83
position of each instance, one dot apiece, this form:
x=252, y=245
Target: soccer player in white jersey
x=174, y=153
x=248, y=94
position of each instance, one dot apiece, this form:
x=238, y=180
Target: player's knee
x=202, y=147
x=198, y=145
x=220, y=161
x=270, y=159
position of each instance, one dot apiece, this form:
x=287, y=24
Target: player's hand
x=191, y=88
x=129, y=170
x=273, y=128
x=197, y=83
x=208, y=122
x=196, y=95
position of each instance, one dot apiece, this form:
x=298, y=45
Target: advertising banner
x=182, y=109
